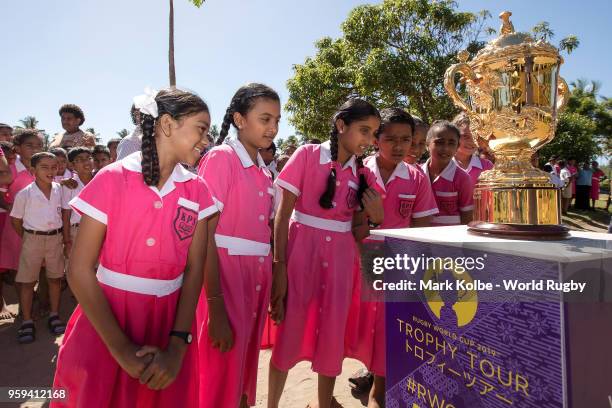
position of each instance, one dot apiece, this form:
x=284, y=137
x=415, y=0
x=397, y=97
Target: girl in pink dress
x=408, y=201
x=467, y=156
x=598, y=175
x=5, y=178
x=323, y=186
x=451, y=185
x=26, y=144
x=144, y=219
x=233, y=307
x=418, y=147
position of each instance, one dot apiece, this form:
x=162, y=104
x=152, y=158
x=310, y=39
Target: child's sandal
x=56, y=325
x=26, y=333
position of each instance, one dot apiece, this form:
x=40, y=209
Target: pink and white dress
x=321, y=253
x=406, y=195
x=476, y=166
x=454, y=193
x=244, y=195
x=9, y=240
x=143, y=256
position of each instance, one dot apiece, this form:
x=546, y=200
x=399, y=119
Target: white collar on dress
x=19, y=166
x=325, y=157
x=133, y=162
x=474, y=162
x=401, y=171
x=448, y=173
x=242, y=153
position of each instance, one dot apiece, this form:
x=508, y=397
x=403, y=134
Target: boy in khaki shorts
x=36, y=216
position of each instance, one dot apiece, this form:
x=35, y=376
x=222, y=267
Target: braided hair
x=242, y=102
x=177, y=104
x=352, y=110
x=441, y=125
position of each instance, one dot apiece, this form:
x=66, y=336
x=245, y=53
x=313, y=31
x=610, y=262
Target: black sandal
x=56, y=325
x=26, y=333
x=361, y=381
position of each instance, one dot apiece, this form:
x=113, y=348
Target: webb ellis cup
x=514, y=95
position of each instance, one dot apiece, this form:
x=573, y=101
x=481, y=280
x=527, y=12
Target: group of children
x=176, y=274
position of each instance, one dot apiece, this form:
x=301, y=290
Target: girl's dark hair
x=58, y=151
x=394, y=115
x=461, y=119
x=441, y=125
x=74, y=109
x=352, y=110
x=37, y=157
x=242, y=102
x=75, y=151
x=7, y=147
x=177, y=104
x=418, y=122
x=24, y=135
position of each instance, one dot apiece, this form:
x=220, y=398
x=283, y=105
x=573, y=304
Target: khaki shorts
x=38, y=248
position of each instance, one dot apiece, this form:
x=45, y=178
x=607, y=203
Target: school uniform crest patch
x=405, y=207
x=185, y=222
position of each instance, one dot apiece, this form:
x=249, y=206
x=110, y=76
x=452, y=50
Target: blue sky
x=99, y=54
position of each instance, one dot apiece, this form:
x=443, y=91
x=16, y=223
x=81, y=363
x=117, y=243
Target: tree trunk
x=171, y=47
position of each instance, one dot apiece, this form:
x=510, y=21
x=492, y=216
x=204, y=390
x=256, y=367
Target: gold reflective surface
x=514, y=94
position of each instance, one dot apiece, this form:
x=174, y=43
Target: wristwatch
x=186, y=336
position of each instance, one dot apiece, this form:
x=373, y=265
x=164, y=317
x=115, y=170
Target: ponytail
x=150, y=160
x=326, y=200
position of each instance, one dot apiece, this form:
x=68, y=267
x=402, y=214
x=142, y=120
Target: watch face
x=189, y=338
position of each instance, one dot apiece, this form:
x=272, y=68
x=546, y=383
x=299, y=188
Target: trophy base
x=526, y=211
x=514, y=231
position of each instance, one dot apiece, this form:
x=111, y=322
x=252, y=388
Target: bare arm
x=467, y=216
x=421, y=222
x=84, y=285
x=281, y=236
x=17, y=225
x=6, y=177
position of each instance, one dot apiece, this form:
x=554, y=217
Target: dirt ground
x=33, y=365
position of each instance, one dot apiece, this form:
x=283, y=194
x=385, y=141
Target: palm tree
x=171, y=67
x=569, y=43
x=93, y=132
x=29, y=122
x=123, y=133
x=542, y=31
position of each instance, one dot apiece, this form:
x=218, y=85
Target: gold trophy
x=514, y=95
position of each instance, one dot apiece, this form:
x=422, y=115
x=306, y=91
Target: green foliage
x=542, y=31
x=392, y=54
x=584, y=128
x=197, y=3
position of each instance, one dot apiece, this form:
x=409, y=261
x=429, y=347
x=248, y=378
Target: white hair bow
x=146, y=103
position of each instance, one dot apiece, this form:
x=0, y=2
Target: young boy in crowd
x=63, y=172
x=112, y=148
x=82, y=162
x=101, y=157
x=36, y=217
x=72, y=118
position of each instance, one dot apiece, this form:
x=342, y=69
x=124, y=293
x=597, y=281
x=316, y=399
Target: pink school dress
x=244, y=195
x=143, y=256
x=476, y=166
x=321, y=252
x=597, y=175
x=407, y=195
x=454, y=192
x=9, y=240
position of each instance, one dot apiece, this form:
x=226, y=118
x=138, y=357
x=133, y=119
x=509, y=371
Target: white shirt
x=130, y=144
x=67, y=195
x=37, y=212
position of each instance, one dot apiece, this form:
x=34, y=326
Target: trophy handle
x=563, y=94
x=451, y=86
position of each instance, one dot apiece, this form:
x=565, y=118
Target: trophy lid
x=510, y=42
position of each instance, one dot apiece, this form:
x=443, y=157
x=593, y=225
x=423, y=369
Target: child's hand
x=219, y=330
x=130, y=362
x=279, y=291
x=373, y=205
x=70, y=183
x=67, y=249
x=163, y=368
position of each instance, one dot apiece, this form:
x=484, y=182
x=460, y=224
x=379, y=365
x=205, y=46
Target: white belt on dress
x=446, y=219
x=136, y=284
x=322, y=223
x=242, y=246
